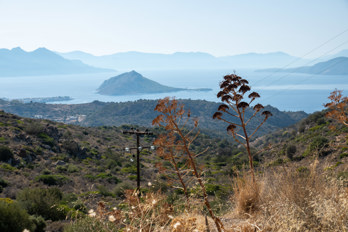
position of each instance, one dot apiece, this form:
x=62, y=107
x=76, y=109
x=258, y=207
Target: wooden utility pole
x=138, y=148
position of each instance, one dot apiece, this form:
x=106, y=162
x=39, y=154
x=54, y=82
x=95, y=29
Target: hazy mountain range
x=131, y=83
x=335, y=66
x=193, y=60
x=17, y=62
x=183, y=60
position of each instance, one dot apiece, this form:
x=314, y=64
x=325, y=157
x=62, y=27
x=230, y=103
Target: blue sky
x=219, y=27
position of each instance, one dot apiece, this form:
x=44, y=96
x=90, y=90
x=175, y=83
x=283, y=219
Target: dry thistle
x=233, y=90
x=175, y=144
x=338, y=107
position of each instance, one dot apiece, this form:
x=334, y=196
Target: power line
x=294, y=71
x=311, y=51
x=302, y=81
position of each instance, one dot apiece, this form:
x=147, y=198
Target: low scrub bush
x=46, y=139
x=52, y=179
x=13, y=218
x=34, y=128
x=5, y=153
x=3, y=184
x=42, y=202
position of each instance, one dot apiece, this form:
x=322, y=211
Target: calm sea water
x=286, y=91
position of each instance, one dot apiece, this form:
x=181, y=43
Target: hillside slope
x=141, y=113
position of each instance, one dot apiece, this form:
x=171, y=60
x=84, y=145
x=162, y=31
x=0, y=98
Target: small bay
x=286, y=91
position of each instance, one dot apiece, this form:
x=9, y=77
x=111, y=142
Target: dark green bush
x=42, y=202
x=5, y=153
x=3, y=184
x=13, y=218
x=39, y=223
x=52, y=179
x=290, y=151
x=46, y=139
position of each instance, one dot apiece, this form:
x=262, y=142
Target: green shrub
x=42, y=202
x=104, y=191
x=303, y=171
x=34, y=128
x=212, y=188
x=39, y=223
x=61, y=168
x=109, y=177
x=343, y=155
x=290, y=151
x=132, y=177
x=72, y=168
x=46, y=139
x=7, y=167
x=277, y=162
x=3, y=184
x=318, y=143
x=13, y=218
x=120, y=188
x=5, y=154
x=131, y=169
x=52, y=179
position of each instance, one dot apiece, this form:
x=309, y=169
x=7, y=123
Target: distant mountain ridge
x=336, y=66
x=183, y=60
x=17, y=62
x=131, y=83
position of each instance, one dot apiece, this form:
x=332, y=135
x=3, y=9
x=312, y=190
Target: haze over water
x=289, y=92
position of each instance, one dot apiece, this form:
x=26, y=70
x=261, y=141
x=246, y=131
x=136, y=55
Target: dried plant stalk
x=233, y=90
x=173, y=119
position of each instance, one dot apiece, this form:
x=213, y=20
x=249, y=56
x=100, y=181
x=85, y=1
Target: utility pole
x=138, y=148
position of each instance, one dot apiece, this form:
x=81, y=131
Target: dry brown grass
x=289, y=200
x=284, y=199
x=246, y=195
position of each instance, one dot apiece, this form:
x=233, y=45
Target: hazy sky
x=219, y=27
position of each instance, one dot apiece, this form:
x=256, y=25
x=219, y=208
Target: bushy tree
x=43, y=202
x=13, y=218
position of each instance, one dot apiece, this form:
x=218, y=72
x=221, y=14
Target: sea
x=286, y=91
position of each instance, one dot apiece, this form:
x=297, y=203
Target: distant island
x=336, y=66
x=130, y=83
x=44, y=99
x=17, y=62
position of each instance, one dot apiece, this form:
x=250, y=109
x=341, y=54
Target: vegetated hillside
x=83, y=165
x=81, y=160
x=315, y=137
x=142, y=113
x=17, y=62
x=335, y=66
